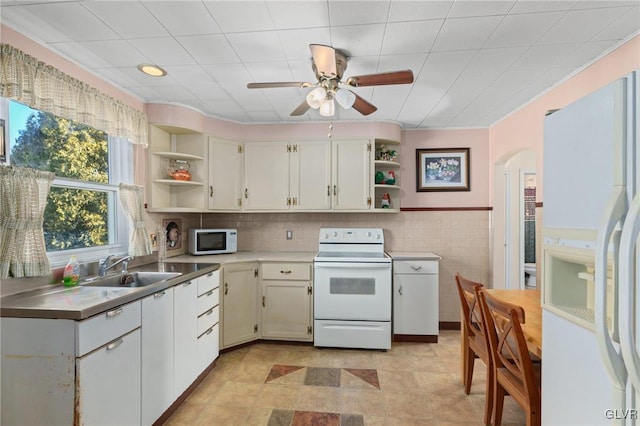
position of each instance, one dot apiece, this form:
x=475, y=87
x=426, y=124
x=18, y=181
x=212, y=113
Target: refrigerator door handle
x=626, y=283
x=614, y=213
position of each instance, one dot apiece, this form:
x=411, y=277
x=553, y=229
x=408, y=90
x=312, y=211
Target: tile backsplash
x=461, y=238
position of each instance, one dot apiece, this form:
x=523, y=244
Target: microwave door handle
x=614, y=363
x=626, y=283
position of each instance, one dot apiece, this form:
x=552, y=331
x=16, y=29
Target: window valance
x=43, y=87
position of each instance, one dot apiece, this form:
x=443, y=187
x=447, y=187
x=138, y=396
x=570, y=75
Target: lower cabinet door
x=208, y=347
x=415, y=304
x=108, y=383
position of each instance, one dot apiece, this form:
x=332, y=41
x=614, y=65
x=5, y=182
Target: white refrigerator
x=591, y=222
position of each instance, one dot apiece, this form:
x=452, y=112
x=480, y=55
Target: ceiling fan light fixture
x=327, y=108
x=346, y=98
x=152, y=70
x=316, y=97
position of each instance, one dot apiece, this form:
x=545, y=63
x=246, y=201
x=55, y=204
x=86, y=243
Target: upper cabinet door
x=310, y=187
x=266, y=176
x=225, y=174
x=351, y=161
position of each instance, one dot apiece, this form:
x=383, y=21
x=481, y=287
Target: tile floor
x=286, y=384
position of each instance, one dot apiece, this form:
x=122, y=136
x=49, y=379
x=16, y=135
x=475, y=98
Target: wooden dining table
x=530, y=302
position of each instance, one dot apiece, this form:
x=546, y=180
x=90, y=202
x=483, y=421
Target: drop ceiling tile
x=299, y=14
x=269, y=71
x=595, y=4
x=542, y=6
x=100, y=54
x=358, y=12
x=402, y=62
x=542, y=57
x=209, y=48
x=128, y=77
x=495, y=60
x=264, y=116
x=581, y=25
x=523, y=29
x=358, y=40
x=410, y=37
x=229, y=76
x=257, y=46
x=621, y=27
x=74, y=20
x=585, y=54
x=174, y=93
x=183, y=17
x=465, y=9
x=129, y=19
x=465, y=33
x=239, y=16
x=163, y=51
x=252, y=100
x=443, y=68
x=418, y=10
x=295, y=43
x=33, y=26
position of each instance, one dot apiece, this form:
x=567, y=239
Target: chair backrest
x=471, y=312
x=507, y=342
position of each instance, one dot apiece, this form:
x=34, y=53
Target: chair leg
x=469, y=359
x=498, y=402
x=488, y=404
x=533, y=417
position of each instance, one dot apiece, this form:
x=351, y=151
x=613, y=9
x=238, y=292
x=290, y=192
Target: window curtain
x=23, y=198
x=132, y=199
x=46, y=88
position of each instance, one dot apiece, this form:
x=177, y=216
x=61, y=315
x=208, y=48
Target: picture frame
x=3, y=145
x=443, y=169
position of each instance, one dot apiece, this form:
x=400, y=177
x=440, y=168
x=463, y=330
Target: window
x=83, y=215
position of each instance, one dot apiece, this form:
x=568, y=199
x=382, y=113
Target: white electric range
x=352, y=289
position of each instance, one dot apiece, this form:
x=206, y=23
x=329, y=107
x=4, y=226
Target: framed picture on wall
x=445, y=169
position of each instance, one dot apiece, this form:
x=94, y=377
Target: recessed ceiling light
x=152, y=70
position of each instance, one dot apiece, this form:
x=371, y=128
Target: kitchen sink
x=133, y=279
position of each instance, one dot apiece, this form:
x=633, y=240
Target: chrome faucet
x=104, y=266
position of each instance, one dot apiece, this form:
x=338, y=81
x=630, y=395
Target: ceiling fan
x=329, y=65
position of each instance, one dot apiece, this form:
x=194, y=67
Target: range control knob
x=335, y=233
x=326, y=236
x=369, y=234
x=377, y=236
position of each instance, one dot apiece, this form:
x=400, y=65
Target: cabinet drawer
x=286, y=271
x=208, y=320
x=415, y=267
x=208, y=282
x=208, y=300
x=105, y=327
x=208, y=346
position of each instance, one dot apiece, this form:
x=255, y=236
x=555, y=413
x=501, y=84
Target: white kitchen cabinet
x=415, y=299
x=108, y=383
x=157, y=353
x=266, y=177
x=310, y=184
x=351, y=174
x=63, y=372
x=185, y=331
x=166, y=146
x=208, y=342
x=239, y=304
x=287, y=300
x=226, y=170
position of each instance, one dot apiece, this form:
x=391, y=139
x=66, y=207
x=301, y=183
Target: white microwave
x=212, y=241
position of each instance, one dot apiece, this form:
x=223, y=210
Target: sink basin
x=134, y=279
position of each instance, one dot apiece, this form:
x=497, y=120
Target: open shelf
x=178, y=156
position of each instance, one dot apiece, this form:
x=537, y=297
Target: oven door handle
x=351, y=265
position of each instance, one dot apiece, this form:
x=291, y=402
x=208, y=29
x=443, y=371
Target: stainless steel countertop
x=83, y=301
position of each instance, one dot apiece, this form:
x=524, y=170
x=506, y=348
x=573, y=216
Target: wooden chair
x=514, y=372
x=475, y=343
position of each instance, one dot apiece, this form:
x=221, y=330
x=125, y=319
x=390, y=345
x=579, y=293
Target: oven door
x=352, y=291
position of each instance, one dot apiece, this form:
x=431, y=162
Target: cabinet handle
x=186, y=284
x=209, y=293
x=209, y=312
x=113, y=313
x=210, y=274
x=210, y=191
x=285, y=272
x=209, y=331
x=159, y=294
x=226, y=288
x=335, y=190
x=416, y=268
x=115, y=344
x=400, y=290
x=263, y=301
x=328, y=190
x=246, y=193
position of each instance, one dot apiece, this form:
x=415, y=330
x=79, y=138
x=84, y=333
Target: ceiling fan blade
x=278, y=84
x=396, y=77
x=324, y=58
x=301, y=109
x=363, y=107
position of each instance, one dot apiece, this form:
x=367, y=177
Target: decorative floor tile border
x=281, y=417
x=319, y=376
